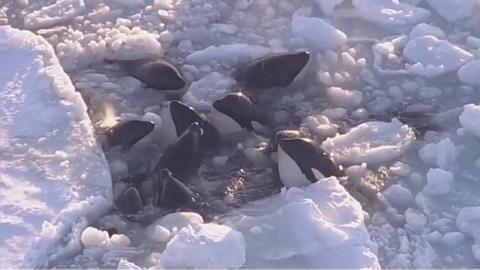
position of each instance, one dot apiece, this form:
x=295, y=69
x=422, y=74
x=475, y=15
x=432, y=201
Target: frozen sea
x=391, y=89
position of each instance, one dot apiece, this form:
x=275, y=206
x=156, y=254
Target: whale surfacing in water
x=273, y=70
x=158, y=74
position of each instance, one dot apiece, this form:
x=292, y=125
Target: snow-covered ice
x=54, y=176
x=430, y=56
x=469, y=73
x=371, y=142
x=390, y=13
x=317, y=33
x=453, y=10
x=311, y=227
x=205, y=246
x=371, y=62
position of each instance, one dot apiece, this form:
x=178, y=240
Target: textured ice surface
x=390, y=13
x=430, y=56
x=54, y=177
x=370, y=142
x=307, y=228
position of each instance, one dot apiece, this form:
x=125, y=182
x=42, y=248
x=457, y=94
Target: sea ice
x=317, y=33
x=430, y=56
x=439, y=182
x=390, y=13
x=371, y=142
x=469, y=118
x=48, y=16
x=232, y=54
x=453, y=10
x=202, y=93
x=205, y=246
x=469, y=73
x=54, y=176
x=316, y=224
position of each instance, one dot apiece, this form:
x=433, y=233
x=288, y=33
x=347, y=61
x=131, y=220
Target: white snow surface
x=54, y=176
x=371, y=142
x=202, y=246
x=311, y=227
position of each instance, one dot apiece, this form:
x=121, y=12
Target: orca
x=158, y=74
x=183, y=116
x=126, y=134
x=184, y=156
x=130, y=202
x=172, y=192
x=272, y=70
x=302, y=161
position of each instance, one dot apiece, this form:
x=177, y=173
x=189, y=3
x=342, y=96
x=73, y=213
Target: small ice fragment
x=439, y=182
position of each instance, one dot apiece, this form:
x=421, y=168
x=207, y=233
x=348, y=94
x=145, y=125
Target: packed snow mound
x=371, y=142
x=430, y=56
x=318, y=34
x=453, y=10
x=390, y=13
x=203, y=246
x=312, y=227
x=469, y=118
x=469, y=73
x=54, y=176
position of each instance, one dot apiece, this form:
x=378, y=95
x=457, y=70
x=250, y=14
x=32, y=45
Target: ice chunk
x=126, y=265
x=203, y=92
x=131, y=3
x=93, y=237
x=415, y=219
x=49, y=16
x=372, y=142
x=205, y=246
x=119, y=240
x=346, y=98
x=469, y=118
x=390, y=13
x=132, y=44
x=468, y=222
x=232, y=54
x=453, y=239
x=453, y=10
x=423, y=29
x=431, y=56
x=53, y=175
x=469, y=73
x=317, y=33
x=439, y=182
x=446, y=154
x=307, y=228
x=179, y=220
x=327, y=6
x=398, y=196
x=320, y=125
x=159, y=234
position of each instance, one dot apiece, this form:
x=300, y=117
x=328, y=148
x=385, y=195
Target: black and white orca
x=172, y=192
x=184, y=156
x=130, y=202
x=302, y=161
x=128, y=133
x=183, y=116
x=242, y=110
x=273, y=70
x=158, y=74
